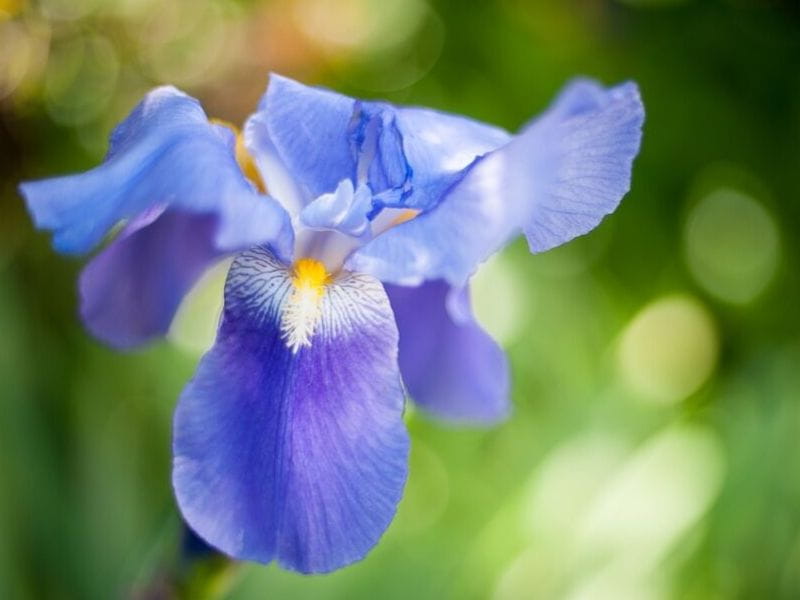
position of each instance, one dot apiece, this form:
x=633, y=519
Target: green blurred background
x=653, y=452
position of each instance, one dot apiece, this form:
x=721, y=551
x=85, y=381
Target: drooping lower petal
x=556, y=180
x=290, y=451
x=452, y=369
x=165, y=153
x=131, y=290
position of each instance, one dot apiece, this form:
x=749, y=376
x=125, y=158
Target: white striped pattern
x=259, y=288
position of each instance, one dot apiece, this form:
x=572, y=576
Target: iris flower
x=355, y=227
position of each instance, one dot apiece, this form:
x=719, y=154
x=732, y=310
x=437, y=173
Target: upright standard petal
x=294, y=451
x=556, y=180
x=439, y=147
x=166, y=153
x=132, y=289
x=452, y=369
x=346, y=210
x=310, y=139
x=308, y=130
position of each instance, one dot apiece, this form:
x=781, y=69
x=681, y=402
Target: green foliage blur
x=653, y=452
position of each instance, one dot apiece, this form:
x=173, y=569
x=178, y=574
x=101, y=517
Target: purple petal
x=174, y=175
x=131, y=290
x=452, y=368
x=295, y=456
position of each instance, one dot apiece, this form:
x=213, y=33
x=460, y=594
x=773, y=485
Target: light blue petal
x=596, y=134
x=295, y=457
x=309, y=128
x=307, y=140
x=554, y=181
x=452, y=369
x=166, y=153
x=345, y=210
x=378, y=145
x=438, y=147
x=280, y=182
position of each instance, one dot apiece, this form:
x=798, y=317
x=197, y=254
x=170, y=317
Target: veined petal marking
x=295, y=457
x=306, y=299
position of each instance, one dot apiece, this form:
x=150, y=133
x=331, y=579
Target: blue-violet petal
x=295, y=456
x=554, y=181
x=452, y=368
x=132, y=289
x=166, y=153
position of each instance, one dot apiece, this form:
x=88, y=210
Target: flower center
x=243, y=157
x=304, y=307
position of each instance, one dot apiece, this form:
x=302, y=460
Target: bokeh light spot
x=731, y=245
x=617, y=581
x=9, y=8
x=378, y=45
x=566, y=481
x=187, y=43
x=355, y=24
x=653, y=3
x=68, y=10
x=501, y=302
x=668, y=350
x=655, y=498
x=427, y=491
x=14, y=57
x=603, y=520
x=81, y=79
x=195, y=324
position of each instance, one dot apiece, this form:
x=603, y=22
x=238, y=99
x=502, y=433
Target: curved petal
x=346, y=210
x=451, y=367
x=556, y=180
x=165, y=153
x=298, y=455
x=282, y=184
x=439, y=147
x=131, y=290
x=408, y=156
x=309, y=130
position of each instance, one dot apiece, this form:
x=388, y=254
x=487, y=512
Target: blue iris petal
x=452, y=368
x=299, y=457
x=132, y=289
x=174, y=176
x=346, y=210
x=596, y=135
x=556, y=180
x=309, y=129
x=165, y=153
x=379, y=147
x=439, y=147
x=318, y=138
